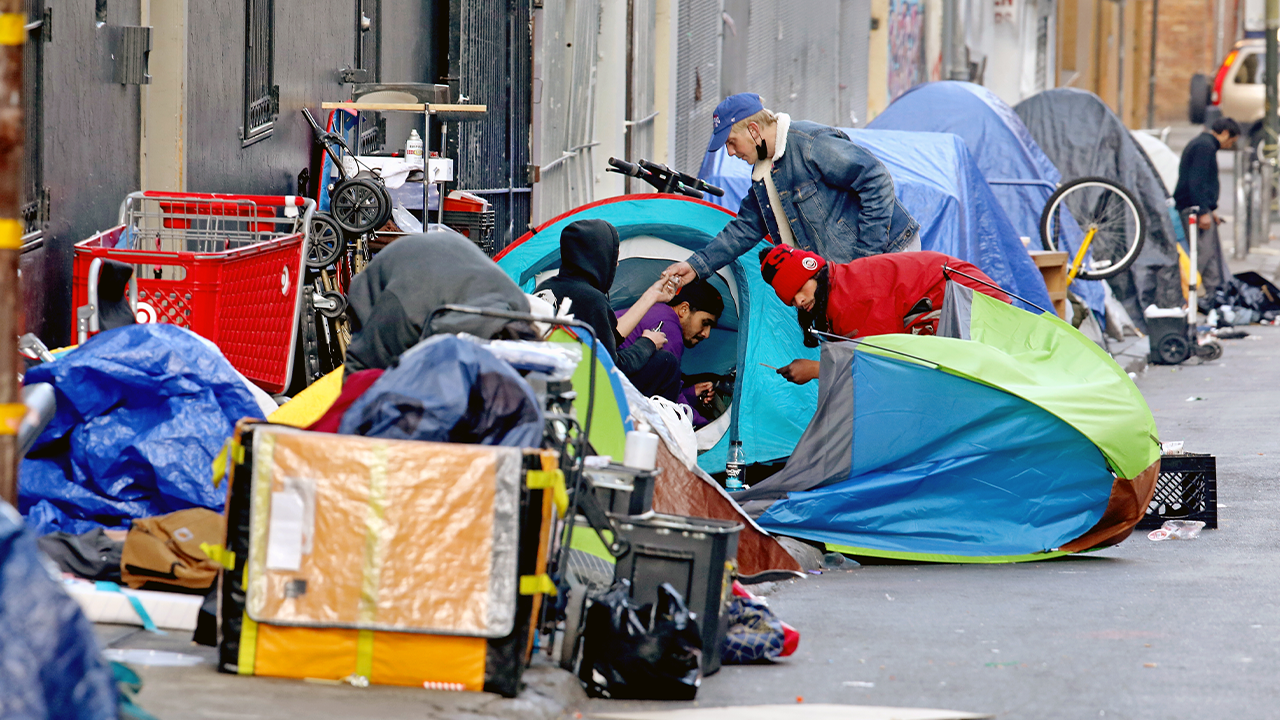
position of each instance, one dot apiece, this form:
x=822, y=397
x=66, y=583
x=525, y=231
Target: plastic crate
x=1187, y=489
x=227, y=267
x=698, y=556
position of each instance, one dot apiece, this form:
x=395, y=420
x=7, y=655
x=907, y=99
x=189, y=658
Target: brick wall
x=1185, y=46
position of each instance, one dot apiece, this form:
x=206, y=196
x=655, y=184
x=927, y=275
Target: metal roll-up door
x=697, y=80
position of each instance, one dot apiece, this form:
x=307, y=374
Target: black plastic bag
x=652, y=652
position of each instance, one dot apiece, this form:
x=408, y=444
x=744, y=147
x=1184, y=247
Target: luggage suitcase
x=384, y=561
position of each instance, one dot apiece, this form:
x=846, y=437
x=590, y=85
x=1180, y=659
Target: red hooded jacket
x=895, y=293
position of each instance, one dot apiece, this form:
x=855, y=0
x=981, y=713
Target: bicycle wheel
x=1107, y=214
x=357, y=204
x=325, y=242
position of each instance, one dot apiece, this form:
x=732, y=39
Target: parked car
x=1238, y=90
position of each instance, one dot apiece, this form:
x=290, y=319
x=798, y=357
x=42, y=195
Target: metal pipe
x=1272, y=119
x=12, y=408
x=1240, y=213
x=955, y=64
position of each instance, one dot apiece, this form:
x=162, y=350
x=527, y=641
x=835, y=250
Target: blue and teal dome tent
x=1007, y=437
x=768, y=414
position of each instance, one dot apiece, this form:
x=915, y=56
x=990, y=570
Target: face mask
x=762, y=150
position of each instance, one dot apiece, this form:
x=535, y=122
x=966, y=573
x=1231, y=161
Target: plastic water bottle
x=733, y=468
x=413, y=149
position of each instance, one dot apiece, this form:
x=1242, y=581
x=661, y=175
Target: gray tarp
x=1084, y=138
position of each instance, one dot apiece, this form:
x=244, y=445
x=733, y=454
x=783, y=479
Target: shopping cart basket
x=228, y=267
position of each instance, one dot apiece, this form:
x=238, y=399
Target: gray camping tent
x=1084, y=138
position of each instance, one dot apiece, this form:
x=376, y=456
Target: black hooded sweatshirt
x=588, y=262
x=391, y=300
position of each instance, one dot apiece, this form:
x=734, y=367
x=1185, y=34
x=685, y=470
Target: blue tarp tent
x=1020, y=175
x=939, y=183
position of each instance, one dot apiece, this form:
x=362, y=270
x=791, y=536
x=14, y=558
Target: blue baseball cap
x=729, y=111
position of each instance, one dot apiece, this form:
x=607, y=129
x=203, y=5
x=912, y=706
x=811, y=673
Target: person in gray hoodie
x=391, y=301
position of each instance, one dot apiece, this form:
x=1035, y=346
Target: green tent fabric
x=1045, y=361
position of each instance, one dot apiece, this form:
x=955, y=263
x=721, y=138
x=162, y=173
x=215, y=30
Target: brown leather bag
x=163, y=553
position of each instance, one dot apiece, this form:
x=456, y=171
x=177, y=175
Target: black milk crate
x=1187, y=489
x=698, y=556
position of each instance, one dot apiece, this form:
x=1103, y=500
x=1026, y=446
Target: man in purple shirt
x=685, y=320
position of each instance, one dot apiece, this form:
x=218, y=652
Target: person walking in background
x=1198, y=187
x=811, y=188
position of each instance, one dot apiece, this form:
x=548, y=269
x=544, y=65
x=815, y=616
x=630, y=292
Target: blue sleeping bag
x=142, y=412
x=448, y=389
x=50, y=664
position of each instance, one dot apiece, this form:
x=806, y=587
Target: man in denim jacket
x=837, y=198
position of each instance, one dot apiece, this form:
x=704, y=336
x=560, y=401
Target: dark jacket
x=391, y=300
x=588, y=262
x=1198, y=174
x=838, y=198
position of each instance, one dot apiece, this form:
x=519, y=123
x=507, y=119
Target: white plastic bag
x=679, y=421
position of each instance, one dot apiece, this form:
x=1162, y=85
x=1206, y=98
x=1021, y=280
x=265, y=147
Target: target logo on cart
x=145, y=313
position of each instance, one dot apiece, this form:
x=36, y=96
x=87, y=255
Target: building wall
x=89, y=148
x=1186, y=45
x=878, y=60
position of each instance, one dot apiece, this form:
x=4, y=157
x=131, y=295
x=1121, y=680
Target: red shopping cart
x=228, y=267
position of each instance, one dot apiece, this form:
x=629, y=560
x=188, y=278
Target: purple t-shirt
x=659, y=313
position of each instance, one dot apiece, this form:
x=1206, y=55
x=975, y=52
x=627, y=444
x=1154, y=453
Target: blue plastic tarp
x=939, y=183
x=142, y=412
x=50, y=665
x=1021, y=176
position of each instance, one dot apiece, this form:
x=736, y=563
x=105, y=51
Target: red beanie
x=787, y=269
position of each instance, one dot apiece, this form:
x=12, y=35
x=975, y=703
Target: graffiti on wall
x=906, y=46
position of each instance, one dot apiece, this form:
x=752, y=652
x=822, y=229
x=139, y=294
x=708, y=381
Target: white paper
x=284, y=531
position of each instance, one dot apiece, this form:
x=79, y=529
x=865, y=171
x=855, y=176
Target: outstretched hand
x=799, y=371
x=681, y=272
x=661, y=291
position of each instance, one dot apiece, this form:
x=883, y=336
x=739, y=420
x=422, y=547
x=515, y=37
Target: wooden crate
x=1053, y=266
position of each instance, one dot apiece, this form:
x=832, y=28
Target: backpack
x=163, y=552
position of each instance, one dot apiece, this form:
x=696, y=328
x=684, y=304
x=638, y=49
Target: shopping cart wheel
x=333, y=304
x=357, y=205
x=325, y=243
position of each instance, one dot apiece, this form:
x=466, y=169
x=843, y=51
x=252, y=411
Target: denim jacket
x=838, y=198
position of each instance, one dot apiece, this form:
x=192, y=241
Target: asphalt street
x=1142, y=630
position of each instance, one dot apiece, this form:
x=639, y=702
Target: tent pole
x=12, y=130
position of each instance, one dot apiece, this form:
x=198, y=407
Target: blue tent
x=937, y=180
x=1021, y=176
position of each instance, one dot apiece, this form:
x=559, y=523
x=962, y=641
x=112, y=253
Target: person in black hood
x=392, y=299
x=588, y=262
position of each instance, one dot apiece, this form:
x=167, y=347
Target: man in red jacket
x=875, y=295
